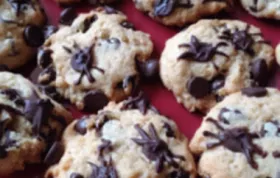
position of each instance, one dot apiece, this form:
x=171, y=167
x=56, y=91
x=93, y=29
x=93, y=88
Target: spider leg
x=184, y=45
x=222, y=54
x=143, y=134
x=213, y=145
x=80, y=79
x=89, y=75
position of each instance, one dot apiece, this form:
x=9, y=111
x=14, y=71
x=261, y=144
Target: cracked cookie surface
x=241, y=135
x=263, y=8
x=212, y=59
x=125, y=140
x=20, y=31
x=181, y=12
x=94, y=58
x=30, y=123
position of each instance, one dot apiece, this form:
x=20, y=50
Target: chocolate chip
x=49, y=30
x=169, y=130
x=4, y=68
x=67, y=16
x=217, y=83
x=260, y=72
x=81, y=126
x=33, y=36
x=94, y=101
x=257, y=92
x=148, y=69
x=88, y=22
x=3, y=152
x=76, y=175
x=127, y=25
x=198, y=87
x=44, y=57
x=54, y=154
x=164, y=7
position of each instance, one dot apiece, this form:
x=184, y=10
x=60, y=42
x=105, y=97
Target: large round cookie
x=20, y=32
x=30, y=124
x=263, y=8
x=94, y=59
x=240, y=137
x=212, y=59
x=126, y=140
x=180, y=12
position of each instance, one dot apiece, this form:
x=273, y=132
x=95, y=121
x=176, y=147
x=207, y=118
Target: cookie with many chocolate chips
x=121, y=141
x=95, y=58
x=214, y=58
x=31, y=124
x=263, y=8
x=241, y=136
x=20, y=31
x=181, y=12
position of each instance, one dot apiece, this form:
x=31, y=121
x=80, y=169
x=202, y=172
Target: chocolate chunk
x=4, y=68
x=198, y=87
x=49, y=30
x=14, y=96
x=44, y=57
x=3, y=152
x=33, y=36
x=169, y=131
x=88, y=22
x=127, y=25
x=105, y=146
x=156, y=149
x=81, y=126
x=254, y=92
x=106, y=169
x=180, y=173
x=276, y=154
x=94, y=101
x=51, y=92
x=237, y=140
x=260, y=72
x=49, y=75
x=201, y=52
x=148, y=69
x=67, y=16
x=54, y=154
x=217, y=83
x=164, y=7
x=76, y=175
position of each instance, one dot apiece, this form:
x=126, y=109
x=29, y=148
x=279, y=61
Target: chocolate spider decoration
x=83, y=61
x=105, y=170
x=236, y=140
x=156, y=149
x=18, y=5
x=242, y=39
x=200, y=51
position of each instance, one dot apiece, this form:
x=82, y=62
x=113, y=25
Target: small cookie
x=30, y=123
x=212, y=59
x=263, y=8
x=95, y=59
x=240, y=137
x=20, y=31
x=125, y=140
x=180, y=12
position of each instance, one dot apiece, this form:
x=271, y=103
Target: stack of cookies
x=96, y=60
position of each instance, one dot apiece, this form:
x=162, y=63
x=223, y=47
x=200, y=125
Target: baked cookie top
x=30, y=123
x=125, y=140
x=241, y=135
x=181, y=12
x=263, y=8
x=20, y=32
x=95, y=58
x=212, y=59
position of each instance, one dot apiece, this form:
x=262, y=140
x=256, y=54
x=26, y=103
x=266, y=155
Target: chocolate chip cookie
x=95, y=58
x=20, y=31
x=125, y=140
x=212, y=59
x=180, y=12
x=263, y=8
x=30, y=124
x=240, y=137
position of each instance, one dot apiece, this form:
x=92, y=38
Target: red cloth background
x=159, y=96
